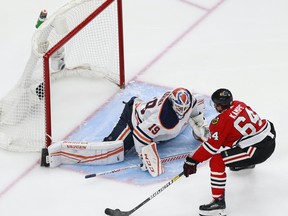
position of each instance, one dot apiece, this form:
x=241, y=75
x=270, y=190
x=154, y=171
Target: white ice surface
x=240, y=45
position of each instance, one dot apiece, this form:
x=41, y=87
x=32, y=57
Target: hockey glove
x=200, y=127
x=190, y=166
x=205, y=133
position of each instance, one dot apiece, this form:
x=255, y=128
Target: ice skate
x=241, y=168
x=215, y=208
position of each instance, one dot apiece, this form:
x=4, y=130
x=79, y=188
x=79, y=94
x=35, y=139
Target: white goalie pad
x=88, y=153
x=152, y=160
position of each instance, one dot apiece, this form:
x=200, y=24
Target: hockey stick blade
x=90, y=176
x=118, y=212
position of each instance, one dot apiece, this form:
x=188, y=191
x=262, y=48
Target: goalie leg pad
x=88, y=153
x=152, y=160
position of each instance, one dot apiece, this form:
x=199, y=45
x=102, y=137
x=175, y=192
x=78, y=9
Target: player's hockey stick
x=118, y=212
x=163, y=160
x=112, y=171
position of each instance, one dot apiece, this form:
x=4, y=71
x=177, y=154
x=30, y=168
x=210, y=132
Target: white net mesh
x=92, y=52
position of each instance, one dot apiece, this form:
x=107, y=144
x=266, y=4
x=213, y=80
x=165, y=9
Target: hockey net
x=84, y=38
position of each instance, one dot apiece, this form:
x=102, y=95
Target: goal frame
x=63, y=41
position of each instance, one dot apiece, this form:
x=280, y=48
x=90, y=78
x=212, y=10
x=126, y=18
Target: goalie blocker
x=91, y=153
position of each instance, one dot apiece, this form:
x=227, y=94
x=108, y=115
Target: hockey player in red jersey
x=239, y=140
x=144, y=123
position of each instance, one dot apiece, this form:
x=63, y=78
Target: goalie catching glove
x=200, y=127
x=151, y=160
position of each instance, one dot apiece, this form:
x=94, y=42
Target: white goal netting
x=92, y=51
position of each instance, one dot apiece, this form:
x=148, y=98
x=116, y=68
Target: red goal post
x=84, y=38
x=78, y=28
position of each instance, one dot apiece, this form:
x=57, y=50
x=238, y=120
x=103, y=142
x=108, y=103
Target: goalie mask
x=181, y=101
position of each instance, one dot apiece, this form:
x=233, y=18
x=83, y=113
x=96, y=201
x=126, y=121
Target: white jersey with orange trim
x=156, y=121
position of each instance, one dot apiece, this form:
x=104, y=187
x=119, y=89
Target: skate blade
x=219, y=212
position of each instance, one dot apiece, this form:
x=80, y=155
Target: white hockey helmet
x=181, y=101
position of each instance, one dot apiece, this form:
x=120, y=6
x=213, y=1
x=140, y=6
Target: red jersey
x=238, y=125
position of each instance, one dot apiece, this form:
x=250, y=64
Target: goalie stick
x=118, y=212
x=164, y=160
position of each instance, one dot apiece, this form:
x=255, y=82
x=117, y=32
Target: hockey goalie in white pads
x=88, y=153
x=151, y=160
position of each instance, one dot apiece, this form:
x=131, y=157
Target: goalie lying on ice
x=144, y=123
x=141, y=125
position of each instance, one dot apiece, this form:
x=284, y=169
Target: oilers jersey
x=156, y=121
